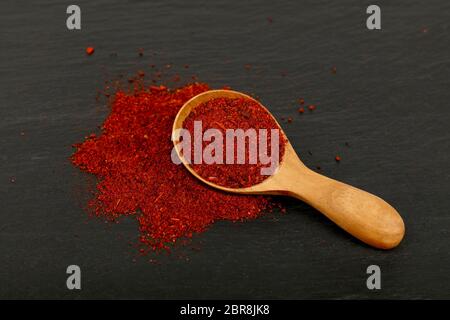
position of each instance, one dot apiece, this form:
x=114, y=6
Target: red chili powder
x=132, y=159
x=237, y=113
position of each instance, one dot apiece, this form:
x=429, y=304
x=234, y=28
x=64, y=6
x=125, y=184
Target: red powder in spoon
x=242, y=114
x=132, y=160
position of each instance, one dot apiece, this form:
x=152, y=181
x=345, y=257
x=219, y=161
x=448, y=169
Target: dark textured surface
x=388, y=100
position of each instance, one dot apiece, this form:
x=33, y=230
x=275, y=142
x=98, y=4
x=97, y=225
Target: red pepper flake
x=301, y=110
x=312, y=107
x=337, y=158
x=158, y=88
x=247, y=66
x=301, y=101
x=141, y=73
x=141, y=52
x=289, y=120
x=132, y=159
x=333, y=70
x=90, y=51
x=186, y=66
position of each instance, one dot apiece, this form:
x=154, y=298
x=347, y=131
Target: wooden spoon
x=364, y=215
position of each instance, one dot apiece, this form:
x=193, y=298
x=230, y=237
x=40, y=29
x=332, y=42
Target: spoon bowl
x=364, y=215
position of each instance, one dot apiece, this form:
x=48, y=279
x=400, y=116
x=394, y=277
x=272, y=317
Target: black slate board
x=388, y=100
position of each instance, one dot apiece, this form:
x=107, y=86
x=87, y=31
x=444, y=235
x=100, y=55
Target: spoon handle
x=362, y=214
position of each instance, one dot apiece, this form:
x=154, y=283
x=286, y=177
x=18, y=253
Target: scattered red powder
x=301, y=110
x=90, y=50
x=312, y=107
x=132, y=160
x=337, y=158
x=239, y=113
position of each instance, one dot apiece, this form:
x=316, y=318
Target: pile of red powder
x=132, y=159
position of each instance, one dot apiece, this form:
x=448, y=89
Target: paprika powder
x=246, y=129
x=136, y=177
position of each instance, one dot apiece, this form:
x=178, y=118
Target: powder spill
x=132, y=160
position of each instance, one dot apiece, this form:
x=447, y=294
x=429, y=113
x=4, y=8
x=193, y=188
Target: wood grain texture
x=388, y=100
